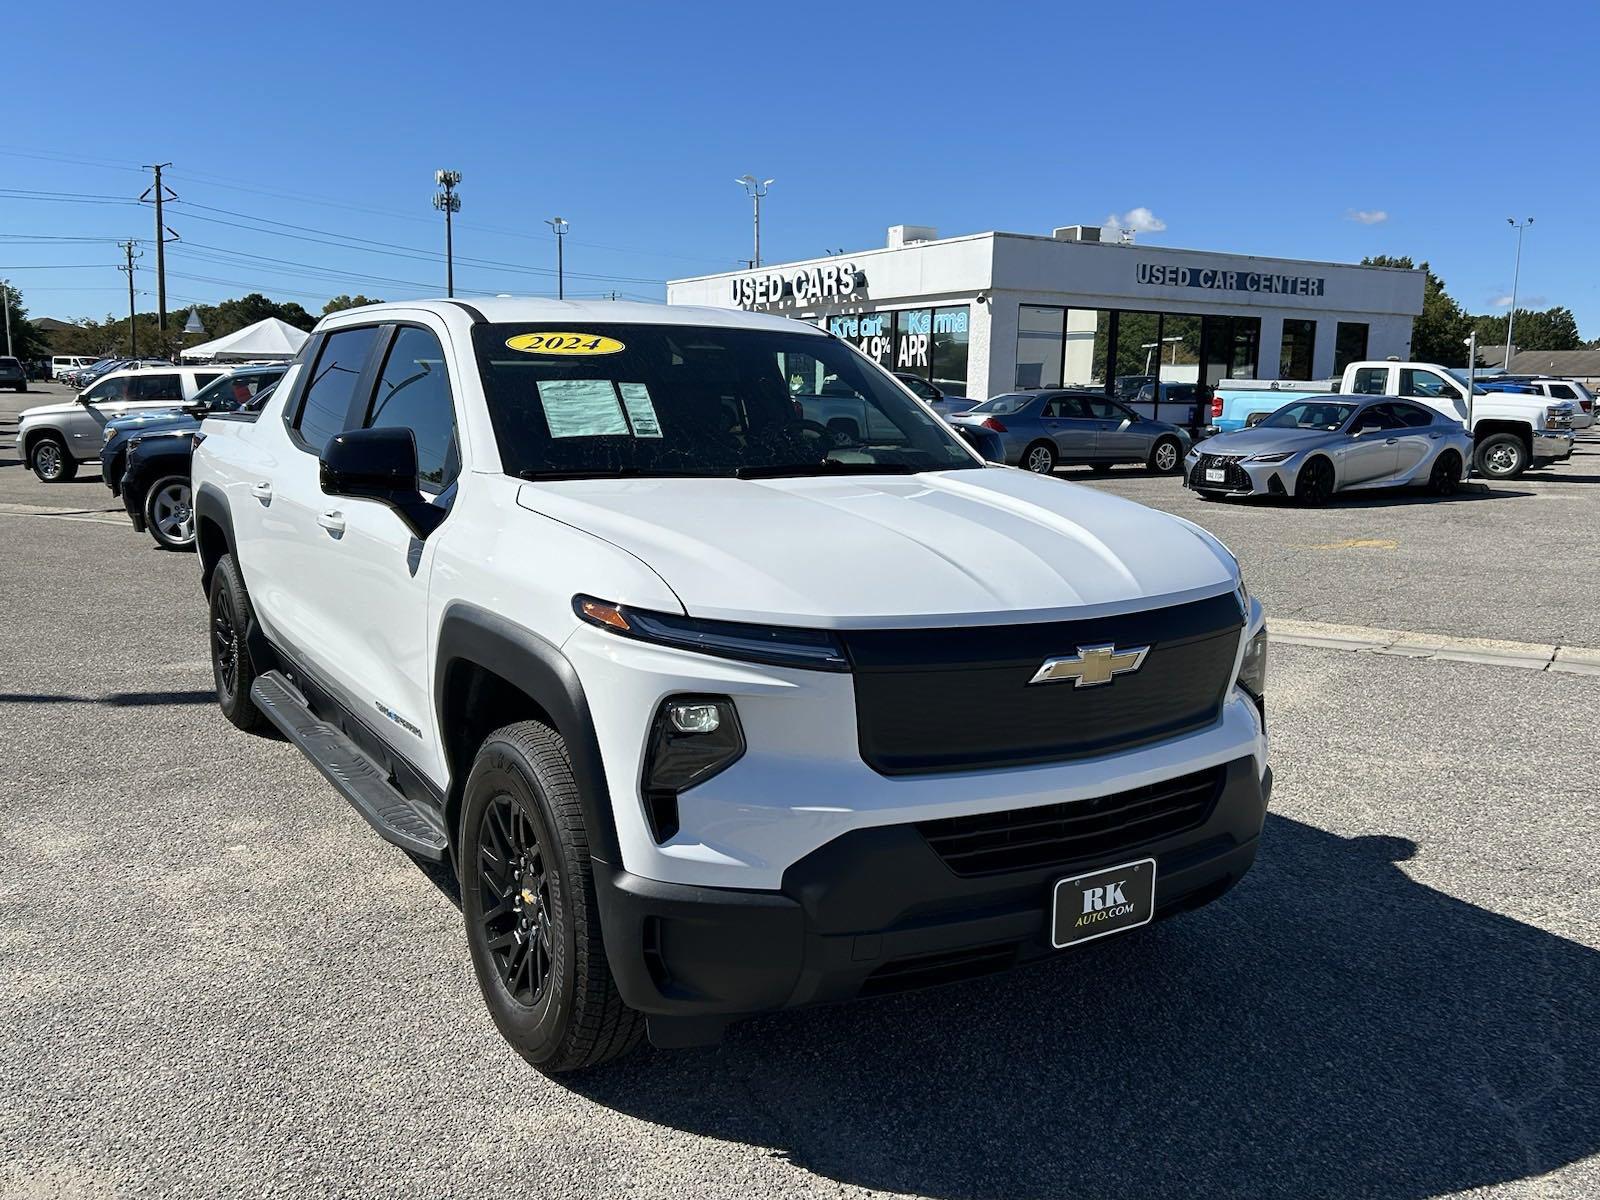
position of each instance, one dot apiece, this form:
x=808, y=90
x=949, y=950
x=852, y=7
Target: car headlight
x=110, y=433
x=781, y=646
x=1275, y=456
x=1253, y=670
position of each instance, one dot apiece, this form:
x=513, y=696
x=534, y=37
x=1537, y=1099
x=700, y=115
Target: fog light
x=694, y=718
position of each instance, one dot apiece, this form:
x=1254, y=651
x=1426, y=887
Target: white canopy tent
x=268, y=339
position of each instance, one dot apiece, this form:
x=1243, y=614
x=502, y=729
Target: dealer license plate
x=1216, y=475
x=1103, y=902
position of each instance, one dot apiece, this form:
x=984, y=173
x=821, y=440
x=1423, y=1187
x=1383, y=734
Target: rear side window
x=1411, y=416
x=1371, y=381
x=325, y=409
x=414, y=393
x=1561, y=391
x=201, y=378
x=155, y=387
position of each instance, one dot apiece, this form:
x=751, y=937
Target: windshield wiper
x=827, y=466
x=548, y=473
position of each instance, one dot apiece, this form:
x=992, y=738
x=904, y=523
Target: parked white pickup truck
x=1511, y=431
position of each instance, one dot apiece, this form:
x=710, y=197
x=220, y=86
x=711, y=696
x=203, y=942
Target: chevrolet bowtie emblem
x=1091, y=665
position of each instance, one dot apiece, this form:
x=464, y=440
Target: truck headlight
x=691, y=739
x=1253, y=670
x=781, y=646
x=110, y=433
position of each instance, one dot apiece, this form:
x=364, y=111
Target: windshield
x=1009, y=403
x=235, y=390
x=605, y=399
x=1310, y=414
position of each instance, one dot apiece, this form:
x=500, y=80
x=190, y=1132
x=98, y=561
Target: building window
x=913, y=340
x=1039, y=336
x=1350, y=345
x=951, y=328
x=1297, y=349
x=1088, y=346
x=867, y=332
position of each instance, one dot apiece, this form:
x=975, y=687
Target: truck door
x=368, y=574
x=1434, y=390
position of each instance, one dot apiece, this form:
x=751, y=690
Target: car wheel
x=169, y=512
x=1501, y=456
x=231, y=668
x=1446, y=474
x=50, y=460
x=1314, y=485
x=528, y=898
x=1040, y=458
x=1165, y=455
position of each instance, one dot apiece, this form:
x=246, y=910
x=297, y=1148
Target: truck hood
x=50, y=410
x=969, y=546
x=153, y=421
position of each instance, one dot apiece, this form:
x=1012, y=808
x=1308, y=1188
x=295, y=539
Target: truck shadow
x=1329, y=1028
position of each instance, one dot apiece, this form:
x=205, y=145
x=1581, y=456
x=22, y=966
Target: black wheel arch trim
x=477, y=637
x=211, y=506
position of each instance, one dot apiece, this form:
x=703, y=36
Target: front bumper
x=1556, y=444
x=1242, y=477
x=876, y=911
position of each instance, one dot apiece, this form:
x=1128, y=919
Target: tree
x=1553, y=329
x=341, y=302
x=1439, y=334
x=27, y=343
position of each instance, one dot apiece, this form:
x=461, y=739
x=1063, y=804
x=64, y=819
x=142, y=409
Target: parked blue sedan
x=1041, y=430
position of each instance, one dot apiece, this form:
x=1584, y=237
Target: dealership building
x=987, y=313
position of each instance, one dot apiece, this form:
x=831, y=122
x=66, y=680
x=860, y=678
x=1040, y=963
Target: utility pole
x=1516, y=274
x=5, y=299
x=448, y=202
x=755, y=188
x=133, y=339
x=158, y=192
x=559, y=224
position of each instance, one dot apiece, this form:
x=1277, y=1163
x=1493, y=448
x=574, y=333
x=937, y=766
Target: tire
x=1166, y=456
x=1446, y=474
x=1501, y=456
x=231, y=668
x=49, y=459
x=169, y=512
x=1314, y=485
x=533, y=924
x=1040, y=458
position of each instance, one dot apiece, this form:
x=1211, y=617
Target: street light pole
x=1516, y=274
x=447, y=202
x=755, y=188
x=559, y=224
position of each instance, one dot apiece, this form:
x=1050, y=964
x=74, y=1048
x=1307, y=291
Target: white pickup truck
x=1511, y=431
x=713, y=714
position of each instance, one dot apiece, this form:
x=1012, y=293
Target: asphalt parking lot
x=217, y=981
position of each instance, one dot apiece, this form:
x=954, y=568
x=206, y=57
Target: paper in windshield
x=582, y=408
x=641, y=411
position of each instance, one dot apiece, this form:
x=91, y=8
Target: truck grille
x=1055, y=835
x=1235, y=478
x=931, y=700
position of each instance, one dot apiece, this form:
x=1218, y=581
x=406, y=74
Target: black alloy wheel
x=1446, y=475
x=514, y=900
x=1315, y=483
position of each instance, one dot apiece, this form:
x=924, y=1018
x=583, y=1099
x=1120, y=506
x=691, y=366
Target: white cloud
x=1367, y=216
x=1528, y=303
x=1502, y=301
x=1139, y=220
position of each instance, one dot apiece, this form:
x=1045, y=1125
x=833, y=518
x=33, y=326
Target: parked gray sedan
x=1325, y=444
x=1043, y=429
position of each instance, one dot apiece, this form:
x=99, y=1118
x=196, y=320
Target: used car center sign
x=1167, y=275
x=802, y=285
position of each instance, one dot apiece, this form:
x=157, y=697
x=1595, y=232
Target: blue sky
x=1257, y=128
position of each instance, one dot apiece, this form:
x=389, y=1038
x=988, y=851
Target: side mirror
x=1366, y=429
x=379, y=465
